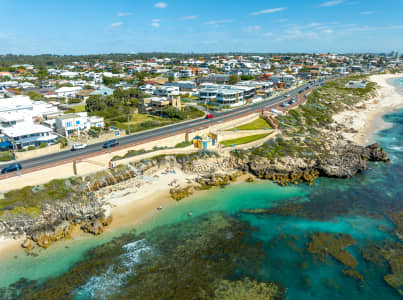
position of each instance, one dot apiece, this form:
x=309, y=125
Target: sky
x=186, y=26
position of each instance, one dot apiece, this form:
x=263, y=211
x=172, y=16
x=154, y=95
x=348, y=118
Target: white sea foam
x=397, y=148
x=101, y=286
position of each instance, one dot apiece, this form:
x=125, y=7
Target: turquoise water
x=356, y=206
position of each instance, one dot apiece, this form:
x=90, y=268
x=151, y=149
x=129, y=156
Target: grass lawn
x=6, y=156
x=75, y=109
x=243, y=140
x=254, y=125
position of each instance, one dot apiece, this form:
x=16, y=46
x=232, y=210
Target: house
x=69, y=124
x=84, y=94
x=223, y=94
x=156, y=105
x=23, y=136
x=147, y=88
x=67, y=92
x=105, y=91
x=185, y=73
x=166, y=91
x=184, y=86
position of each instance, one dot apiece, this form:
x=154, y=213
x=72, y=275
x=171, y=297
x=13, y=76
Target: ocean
x=305, y=239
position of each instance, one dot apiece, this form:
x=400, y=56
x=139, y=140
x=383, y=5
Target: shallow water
x=357, y=207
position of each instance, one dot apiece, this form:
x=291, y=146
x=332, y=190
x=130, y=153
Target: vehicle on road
x=209, y=116
x=111, y=143
x=78, y=146
x=11, y=168
x=292, y=101
x=284, y=104
x=287, y=96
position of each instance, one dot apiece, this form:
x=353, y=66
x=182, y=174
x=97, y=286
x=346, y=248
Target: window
x=78, y=122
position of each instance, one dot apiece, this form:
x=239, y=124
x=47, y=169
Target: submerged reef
x=195, y=259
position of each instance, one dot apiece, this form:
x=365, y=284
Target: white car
x=78, y=146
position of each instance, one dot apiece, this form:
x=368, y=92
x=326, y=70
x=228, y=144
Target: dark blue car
x=111, y=143
x=11, y=168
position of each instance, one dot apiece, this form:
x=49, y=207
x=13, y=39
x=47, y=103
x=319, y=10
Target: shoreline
x=368, y=121
x=135, y=201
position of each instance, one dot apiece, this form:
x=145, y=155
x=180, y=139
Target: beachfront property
x=25, y=135
x=156, y=105
x=224, y=94
x=69, y=124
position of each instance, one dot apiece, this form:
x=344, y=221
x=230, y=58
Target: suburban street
x=159, y=132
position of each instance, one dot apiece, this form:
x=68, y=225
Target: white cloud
x=156, y=20
x=374, y=28
x=189, y=17
x=124, y=14
x=327, y=31
x=117, y=24
x=3, y=35
x=269, y=34
x=253, y=28
x=297, y=34
x=331, y=3
x=268, y=11
x=160, y=5
x=281, y=21
x=218, y=22
x=367, y=13
x=314, y=24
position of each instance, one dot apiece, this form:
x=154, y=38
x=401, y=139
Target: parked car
x=284, y=104
x=292, y=101
x=111, y=143
x=11, y=168
x=78, y=146
x=209, y=116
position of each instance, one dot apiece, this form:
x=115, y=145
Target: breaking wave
x=106, y=284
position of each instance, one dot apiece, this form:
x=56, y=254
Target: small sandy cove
x=367, y=121
x=138, y=199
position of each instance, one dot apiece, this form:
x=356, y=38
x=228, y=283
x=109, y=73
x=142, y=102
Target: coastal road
x=151, y=135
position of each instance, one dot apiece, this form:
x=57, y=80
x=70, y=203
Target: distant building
x=105, y=91
x=156, y=105
x=184, y=86
x=166, y=91
x=67, y=92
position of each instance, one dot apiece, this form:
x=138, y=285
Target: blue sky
x=104, y=26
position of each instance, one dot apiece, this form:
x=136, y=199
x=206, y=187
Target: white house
x=147, y=88
x=75, y=123
x=166, y=91
x=26, y=135
x=67, y=92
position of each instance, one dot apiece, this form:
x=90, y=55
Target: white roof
x=68, y=89
x=25, y=130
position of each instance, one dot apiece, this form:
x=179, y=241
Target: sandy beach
x=366, y=118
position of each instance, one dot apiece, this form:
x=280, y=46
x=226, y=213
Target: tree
x=171, y=78
x=233, y=79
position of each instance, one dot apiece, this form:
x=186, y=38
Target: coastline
x=366, y=119
x=134, y=201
